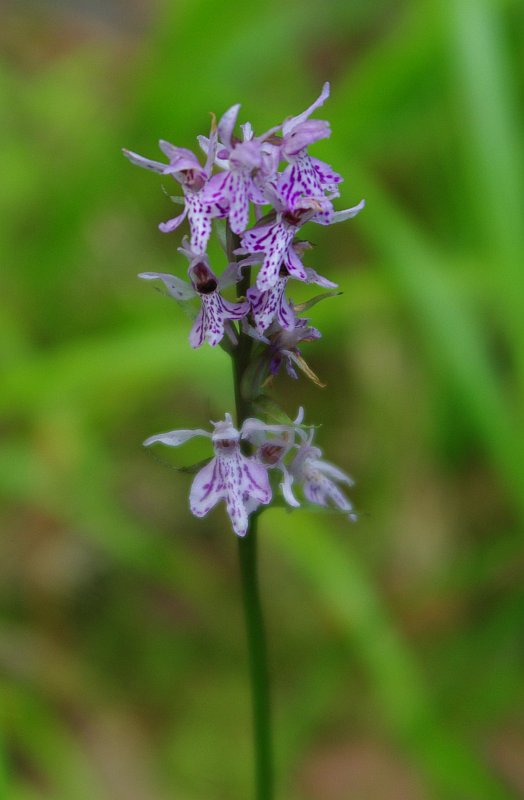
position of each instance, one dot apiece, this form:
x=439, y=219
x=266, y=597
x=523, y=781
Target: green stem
x=247, y=551
x=257, y=655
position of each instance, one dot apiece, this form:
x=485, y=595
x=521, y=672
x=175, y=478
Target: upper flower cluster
x=240, y=172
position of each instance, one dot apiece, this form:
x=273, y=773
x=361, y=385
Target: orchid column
x=265, y=452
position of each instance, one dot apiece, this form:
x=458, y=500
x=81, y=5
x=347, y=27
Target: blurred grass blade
x=341, y=583
x=492, y=145
x=90, y=372
x=51, y=746
x=486, y=94
x=447, y=327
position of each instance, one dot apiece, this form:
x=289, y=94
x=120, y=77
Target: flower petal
x=239, y=203
x=270, y=304
x=231, y=470
x=209, y=146
x=177, y=288
x=147, y=163
x=180, y=158
x=296, y=142
x=285, y=486
x=332, y=471
x=292, y=122
x=313, y=277
x=227, y=124
x=273, y=240
x=298, y=179
x=294, y=265
x=233, y=310
x=321, y=490
x=246, y=486
x=247, y=131
x=339, y=216
x=199, y=215
x=213, y=319
x=197, y=333
x=172, y=224
x=175, y=438
x=255, y=480
x=231, y=275
x=207, y=489
x=326, y=175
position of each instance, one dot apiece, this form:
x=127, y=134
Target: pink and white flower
x=272, y=304
x=241, y=482
x=186, y=169
x=212, y=321
x=248, y=165
x=275, y=239
x=306, y=176
x=319, y=478
x=272, y=452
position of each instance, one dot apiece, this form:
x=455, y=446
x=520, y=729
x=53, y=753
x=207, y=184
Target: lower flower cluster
x=243, y=481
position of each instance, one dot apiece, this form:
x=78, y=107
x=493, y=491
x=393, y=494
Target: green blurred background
x=396, y=644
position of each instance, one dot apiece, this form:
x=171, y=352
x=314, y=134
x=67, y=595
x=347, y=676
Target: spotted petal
x=211, y=319
x=326, y=175
x=294, y=265
x=245, y=481
x=200, y=214
x=273, y=241
x=270, y=304
x=207, y=489
x=320, y=490
x=177, y=288
x=233, y=310
x=239, y=202
x=297, y=180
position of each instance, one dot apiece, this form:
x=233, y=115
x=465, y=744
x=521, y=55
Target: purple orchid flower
x=215, y=313
x=273, y=304
x=271, y=452
x=306, y=176
x=186, y=169
x=284, y=348
x=248, y=165
x=275, y=239
x=318, y=478
x=240, y=481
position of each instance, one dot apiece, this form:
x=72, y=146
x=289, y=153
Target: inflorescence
x=248, y=175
